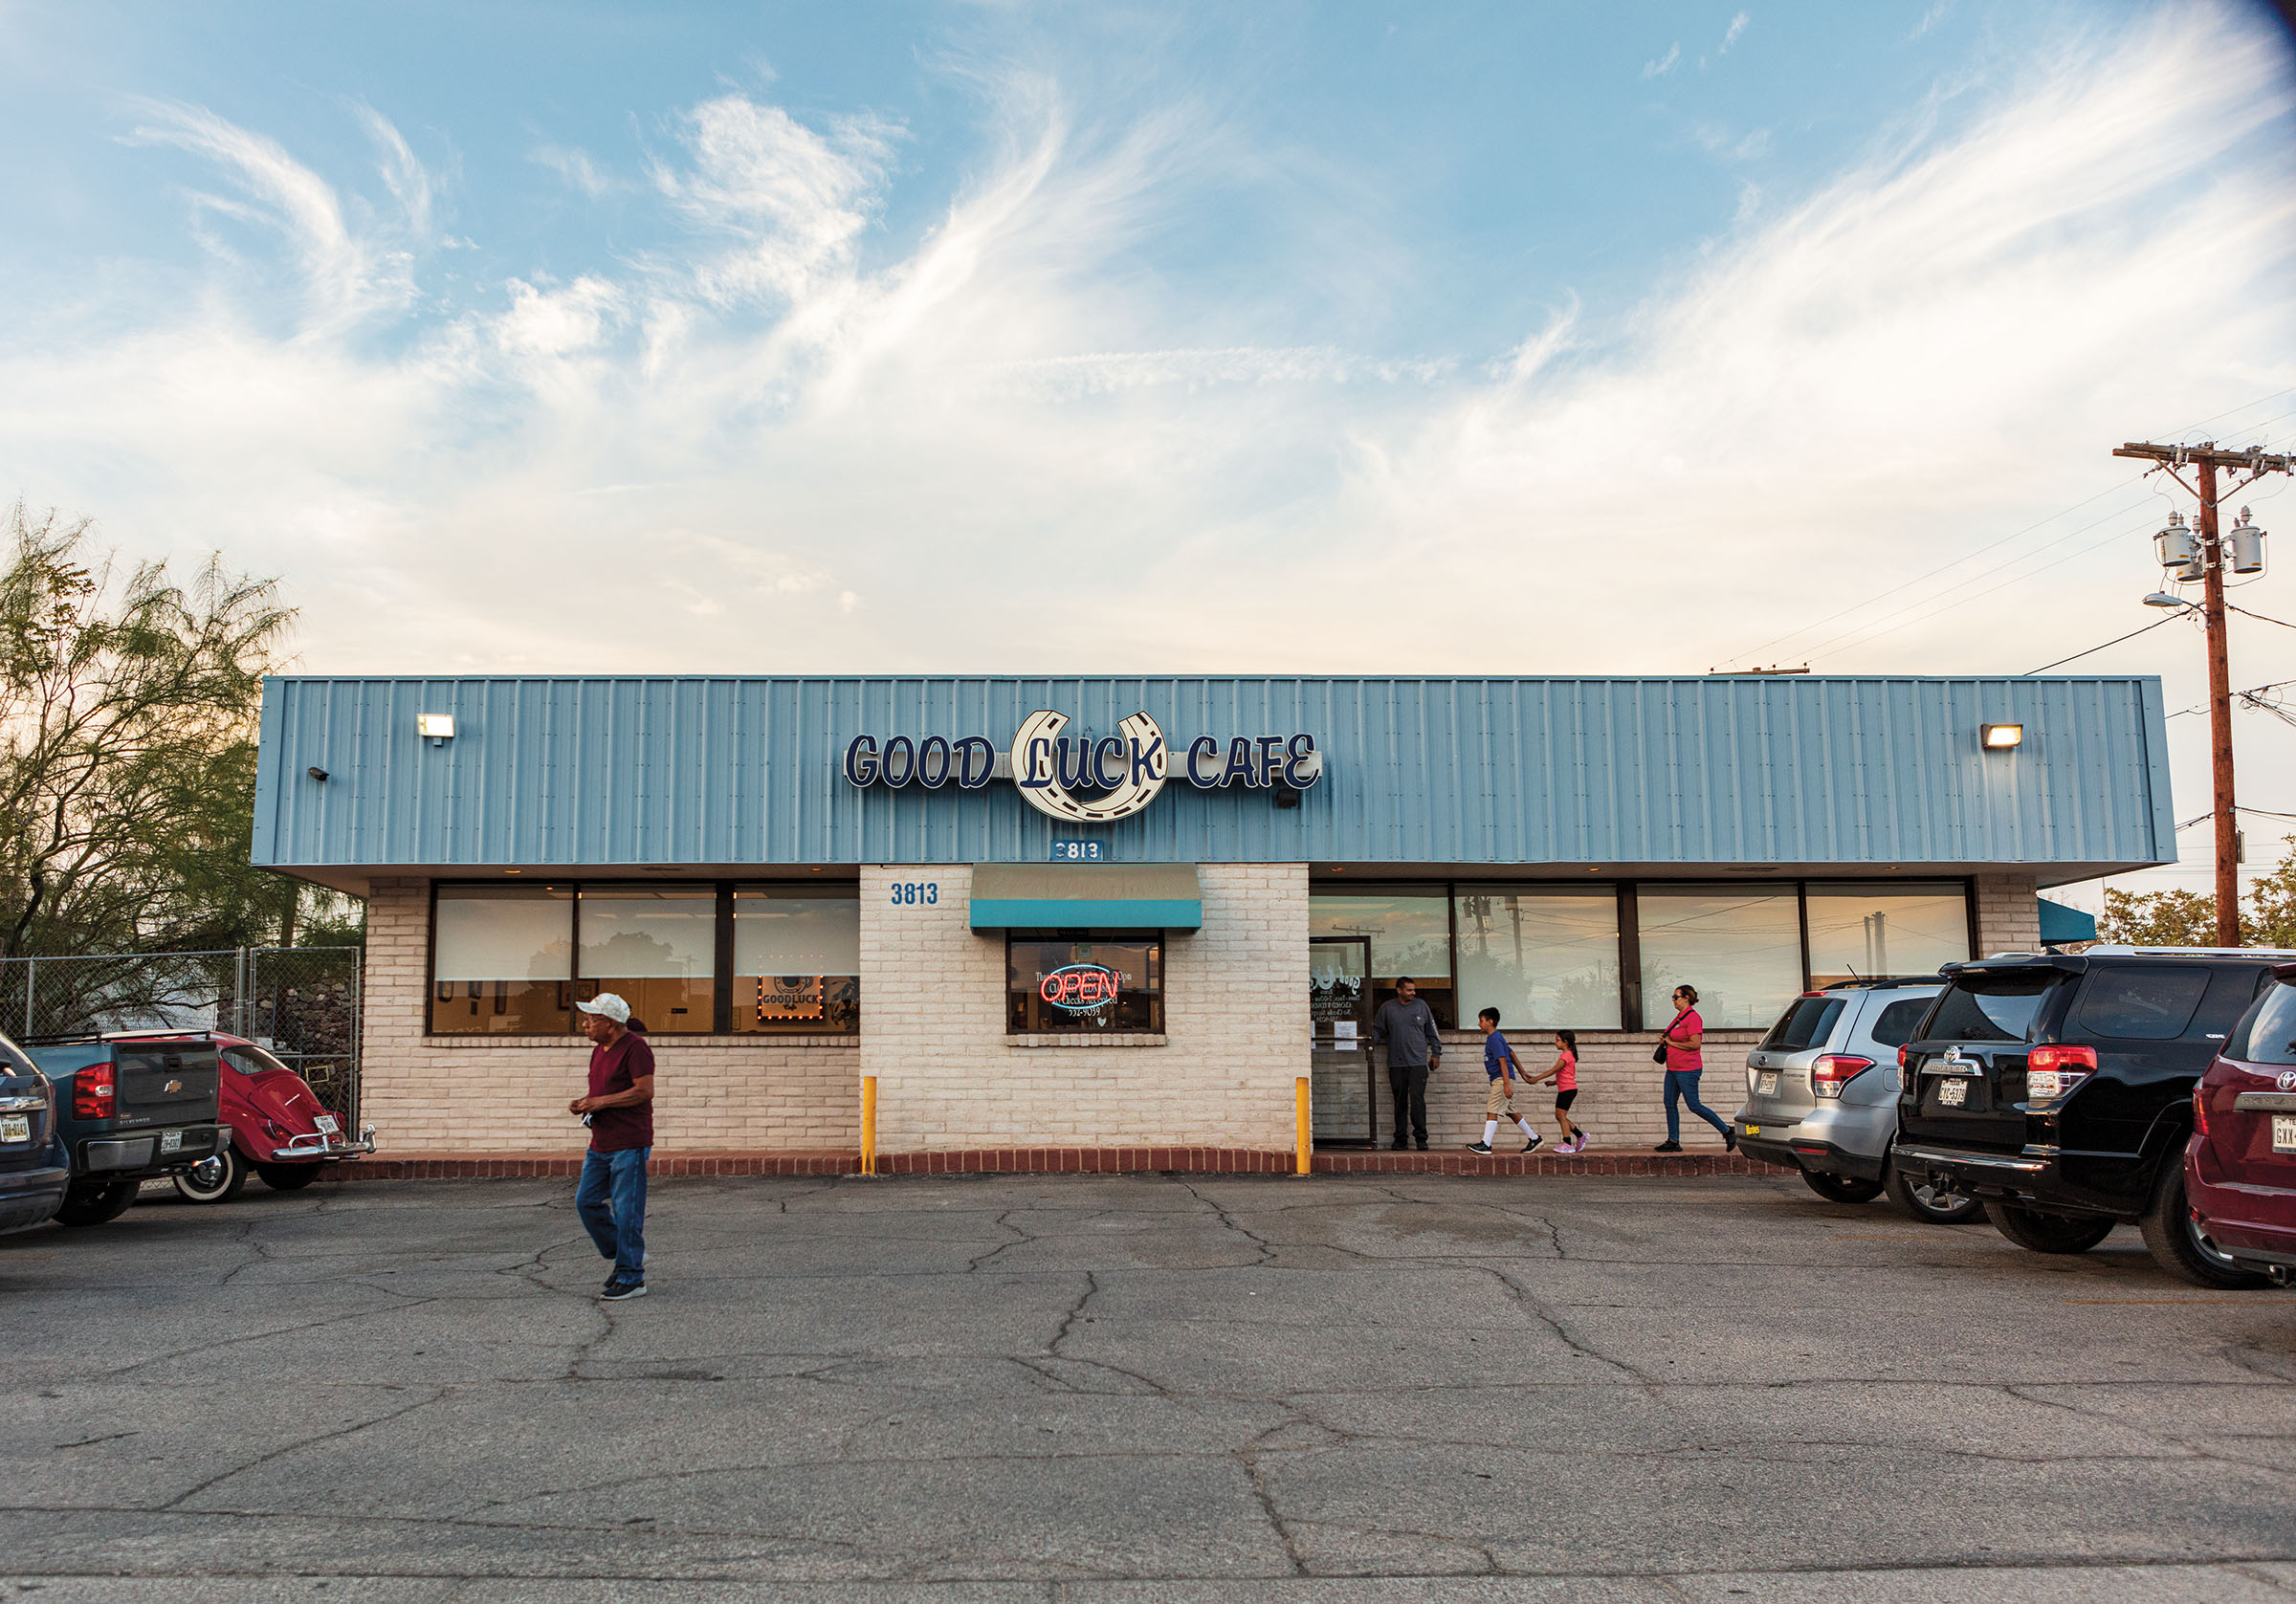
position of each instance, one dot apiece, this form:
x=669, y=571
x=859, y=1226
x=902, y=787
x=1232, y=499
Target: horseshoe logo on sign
x=1120, y=774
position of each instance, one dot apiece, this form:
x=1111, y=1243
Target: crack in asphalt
x=932, y=1399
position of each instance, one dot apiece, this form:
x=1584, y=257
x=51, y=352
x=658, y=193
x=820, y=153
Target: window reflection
x=797, y=961
x=656, y=950
x=500, y=959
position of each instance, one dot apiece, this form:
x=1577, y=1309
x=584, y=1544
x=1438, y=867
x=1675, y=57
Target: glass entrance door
x=1344, y=1111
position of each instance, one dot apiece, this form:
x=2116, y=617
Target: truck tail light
x=1835, y=1070
x=1903, y=1054
x=96, y=1091
x=2200, y=1109
x=2052, y=1072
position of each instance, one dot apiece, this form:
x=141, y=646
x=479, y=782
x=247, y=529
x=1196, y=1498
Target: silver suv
x=1822, y=1096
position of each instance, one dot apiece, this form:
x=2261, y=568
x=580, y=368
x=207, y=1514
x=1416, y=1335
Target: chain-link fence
x=300, y=1002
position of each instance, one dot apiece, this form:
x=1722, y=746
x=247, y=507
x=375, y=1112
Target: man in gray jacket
x=1406, y=1026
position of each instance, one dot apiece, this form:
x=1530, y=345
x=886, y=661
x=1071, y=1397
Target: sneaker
x=1478, y=1147
x=1729, y=1138
x=1567, y=1148
x=1668, y=1147
x=1399, y=1146
x=618, y=1289
x=1531, y=1146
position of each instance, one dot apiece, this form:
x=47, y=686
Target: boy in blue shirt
x=1500, y=1064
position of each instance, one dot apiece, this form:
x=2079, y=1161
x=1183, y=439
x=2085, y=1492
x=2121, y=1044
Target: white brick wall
x=950, y=1078
x=2008, y=914
x=509, y=1094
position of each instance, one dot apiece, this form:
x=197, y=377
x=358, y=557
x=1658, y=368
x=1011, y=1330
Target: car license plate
x=171, y=1141
x=1754, y=1131
x=1953, y=1093
x=2284, y=1132
x=18, y=1128
x=326, y=1125
x=1765, y=1085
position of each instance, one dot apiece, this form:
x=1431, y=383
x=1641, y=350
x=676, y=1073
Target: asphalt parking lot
x=1131, y=1389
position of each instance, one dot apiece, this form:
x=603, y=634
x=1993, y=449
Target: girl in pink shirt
x=1565, y=1076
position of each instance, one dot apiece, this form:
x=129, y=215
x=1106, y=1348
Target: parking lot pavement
x=1132, y=1389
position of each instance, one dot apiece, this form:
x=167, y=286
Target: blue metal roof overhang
x=1086, y=896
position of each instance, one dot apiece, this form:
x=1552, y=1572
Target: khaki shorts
x=1498, y=1102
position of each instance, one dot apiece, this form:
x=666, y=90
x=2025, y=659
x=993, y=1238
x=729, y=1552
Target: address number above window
x=1081, y=778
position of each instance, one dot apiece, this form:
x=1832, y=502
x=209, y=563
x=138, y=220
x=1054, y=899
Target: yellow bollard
x=869, y=1125
x=1299, y=1088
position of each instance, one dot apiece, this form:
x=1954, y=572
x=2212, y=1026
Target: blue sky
x=1438, y=337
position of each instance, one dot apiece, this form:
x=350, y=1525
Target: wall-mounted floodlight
x=2001, y=737
x=439, y=728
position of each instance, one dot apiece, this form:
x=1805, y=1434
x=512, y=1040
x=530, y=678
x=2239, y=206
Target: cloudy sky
x=1445, y=338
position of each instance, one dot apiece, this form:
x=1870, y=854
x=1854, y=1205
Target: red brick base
x=1072, y=1161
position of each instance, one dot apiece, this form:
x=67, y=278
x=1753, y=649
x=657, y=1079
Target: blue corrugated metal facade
x=1798, y=771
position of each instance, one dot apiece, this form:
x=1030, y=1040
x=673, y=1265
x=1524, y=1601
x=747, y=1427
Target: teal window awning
x=2060, y=923
x=1086, y=896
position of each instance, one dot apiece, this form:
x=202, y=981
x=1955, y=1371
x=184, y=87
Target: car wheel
x=1930, y=1202
x=1842, y=1189
x=287, y=1177
x=213, y=1180
x=2178, y=1244
x=2047, y=1233
x=93, y=1205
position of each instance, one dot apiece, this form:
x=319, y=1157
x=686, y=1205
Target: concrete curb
x=1049, y=1161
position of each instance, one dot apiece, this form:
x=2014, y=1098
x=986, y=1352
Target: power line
x=1996, y=546
x=1847, y=641
x=2260, y=617
x=2094, y=649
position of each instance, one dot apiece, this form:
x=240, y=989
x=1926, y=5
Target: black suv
x=2058, y=1089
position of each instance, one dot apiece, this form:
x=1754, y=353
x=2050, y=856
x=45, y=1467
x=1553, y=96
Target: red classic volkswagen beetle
x=280, y=1129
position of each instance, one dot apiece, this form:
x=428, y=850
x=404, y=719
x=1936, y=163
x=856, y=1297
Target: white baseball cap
x=607, y=1003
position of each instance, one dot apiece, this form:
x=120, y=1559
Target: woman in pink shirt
x=1683, y=1038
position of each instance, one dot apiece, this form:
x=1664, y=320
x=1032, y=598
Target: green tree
x=2189, y=918
x=128, y=706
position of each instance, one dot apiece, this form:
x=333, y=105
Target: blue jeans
x=612, y=1200
x=1683, y=1084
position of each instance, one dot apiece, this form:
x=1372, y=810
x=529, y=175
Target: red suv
x=280, y=1129
x=2239, y=1168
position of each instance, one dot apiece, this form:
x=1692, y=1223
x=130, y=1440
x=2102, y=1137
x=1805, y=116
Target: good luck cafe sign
x=1081, y=778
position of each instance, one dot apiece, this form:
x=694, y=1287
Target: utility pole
x=2205, y=461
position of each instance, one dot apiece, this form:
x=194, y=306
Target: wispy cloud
x=1729, y=35
x=1930, y=18
x=992, y=441
x=1664, y=64
x=576, y=167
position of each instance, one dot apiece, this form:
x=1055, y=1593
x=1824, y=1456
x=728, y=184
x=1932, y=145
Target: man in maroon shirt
x=619, y=1110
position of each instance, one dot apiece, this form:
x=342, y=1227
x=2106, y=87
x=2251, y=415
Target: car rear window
x=2267, y=1033
x=2141, y=1004
x=1893, y=1026
x=1804, y=1025
x=1991, y=1007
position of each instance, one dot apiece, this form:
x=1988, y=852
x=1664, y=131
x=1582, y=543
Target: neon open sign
x=1081, y=987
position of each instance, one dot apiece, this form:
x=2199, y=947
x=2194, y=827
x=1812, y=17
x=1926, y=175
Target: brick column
x=2008, y=914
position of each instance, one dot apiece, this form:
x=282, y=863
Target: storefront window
x=1741, y=949
x=656, y=950
x=797, y=960
x=1411, y=932
x=1541, y=957
x=1865, y=931
x=501, y=960
x=1113, y=982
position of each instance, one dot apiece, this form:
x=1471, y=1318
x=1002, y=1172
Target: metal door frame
x=1371, y=1073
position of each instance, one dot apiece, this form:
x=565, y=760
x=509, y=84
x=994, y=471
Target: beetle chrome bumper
x=315, y=1145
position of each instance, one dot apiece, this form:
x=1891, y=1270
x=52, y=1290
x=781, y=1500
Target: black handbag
x=1658, y=1054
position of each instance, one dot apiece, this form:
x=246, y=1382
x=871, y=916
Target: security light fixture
x=2163, y=598
x=2001, y=737
x=439, y=728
